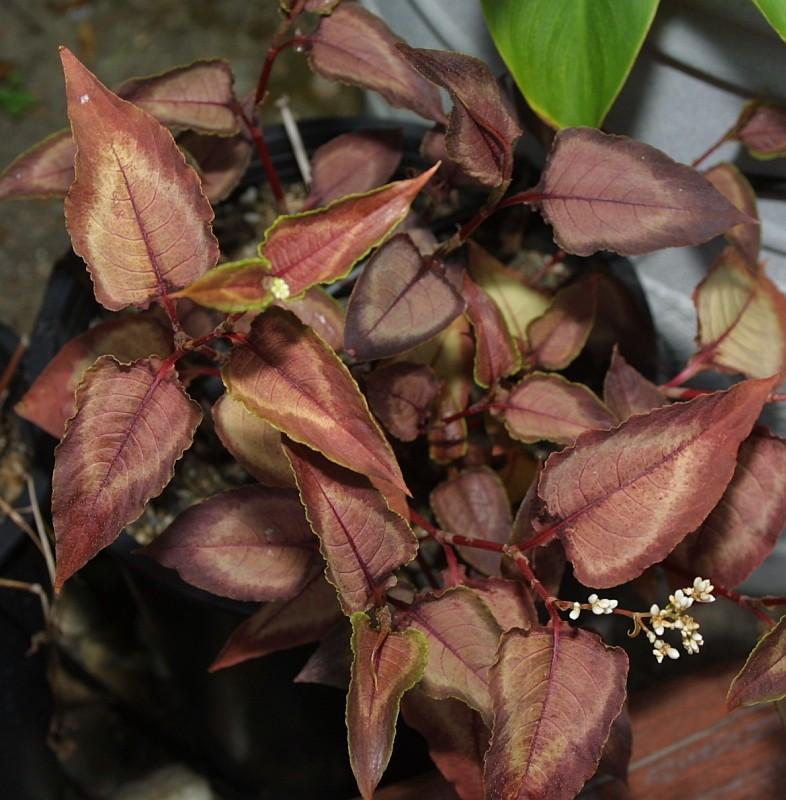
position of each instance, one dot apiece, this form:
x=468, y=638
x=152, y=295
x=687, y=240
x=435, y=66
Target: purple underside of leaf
x=763, y=678
x=627, y=392
x=603, y=192
x=399, y=301
x=251, y=543
x=621, y=500
x=45, y=170
x=114, y=458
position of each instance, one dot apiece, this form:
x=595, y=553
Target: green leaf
x=570, y=58
x=775, y=13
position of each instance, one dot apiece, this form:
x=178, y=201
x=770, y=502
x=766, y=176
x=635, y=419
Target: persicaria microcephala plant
x=441, y=353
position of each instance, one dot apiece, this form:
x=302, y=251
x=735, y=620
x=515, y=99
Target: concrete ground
x=117, y=39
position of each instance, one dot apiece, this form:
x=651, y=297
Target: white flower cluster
x=598, y=605
x=278, y=287
x=673, y=617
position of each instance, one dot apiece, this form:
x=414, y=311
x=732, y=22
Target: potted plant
x=417, y=465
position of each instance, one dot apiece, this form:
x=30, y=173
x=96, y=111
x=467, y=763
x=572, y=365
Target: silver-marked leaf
x=135, y=213
x=496, y=352
x=362, y=540
x=45, y=170
x=354, y=46
x=385, y=665
x=462, y=640
x=626, y=391
x=457, y=739
x=353, y=163
x=289, y=377
x=743, y=528
x=474, y=503
x=198, y=96
x=255, y=444
x=132, y=424
x=547, y=407
x=50, y=402
x=763, y=130
x=302, y=619
x=742, y=319
x=555, y=700
x=763, y=678
x=602, y=192
x=482, y=129
x=621, y=500
x=559, y=335
x=399, y=301
x=251, y=543
x=734, y=186
x=402, y=395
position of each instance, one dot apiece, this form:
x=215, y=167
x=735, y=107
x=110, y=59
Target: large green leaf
x=570, y=58
x=775, y=12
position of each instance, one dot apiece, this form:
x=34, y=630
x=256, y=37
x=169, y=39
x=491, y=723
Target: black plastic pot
x=252, y=731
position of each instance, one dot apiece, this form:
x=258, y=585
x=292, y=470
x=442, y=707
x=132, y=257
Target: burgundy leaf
x=362, y=540
x=474, y=503
x=433, y=148
x=222, y=161
x=197, y=96
x=250, y=543
x=545, y=406
x=557, y=337
x=621, y=500
x=615, y=758
x=462, y=644
x=555, y=701
x=401, y=395
x=385, y=665
x=763, y=678
x=50, y=401
x=255, y=444
x=734, y=186
x=45, y=170
x=519, y=303
x=496, y=353
x=602, y=192
x=353, y=163
x=626, y=391
x=742, y=319
x=743, y=528
x=136, y=213
x=509, y=601
x=305, y=618
x=132, y=424
x=399, y=301
x=482, y=129
x=456, y=736
x=356, y=47
x=763, y=130
x=290, y=378
x=330, y=664
x=322, y=313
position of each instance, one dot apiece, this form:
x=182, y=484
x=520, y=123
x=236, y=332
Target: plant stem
x=548, y=265
x=745, y=602
x=10, y=369
x=20, y=523
x=713, y=147
x=693, y=367
x=34, y=588
x=41, y=529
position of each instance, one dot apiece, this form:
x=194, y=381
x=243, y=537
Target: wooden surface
x=686, y=746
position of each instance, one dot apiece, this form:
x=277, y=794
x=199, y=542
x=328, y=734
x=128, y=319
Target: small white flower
x=663, y=649
x=658, y=621
x=702, y=590
x=278, y=287
x=601, y=605
x=651, y=636
x=575, y=611
x=680, y=601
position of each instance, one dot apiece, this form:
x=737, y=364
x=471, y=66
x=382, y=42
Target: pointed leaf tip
x=136, y=212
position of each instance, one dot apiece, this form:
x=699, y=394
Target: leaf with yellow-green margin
x=288, y=376
x=555, y=700
x=763, y=678
x=570, y=58
x=135, y=212
x=386, y=664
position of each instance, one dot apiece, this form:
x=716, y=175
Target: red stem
x=552, y=262
x=712, y=148
x=13, y=365
x=264, y=156
x=745, y=602
x=693, y=367
x=270, y=58
x=772, y=601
